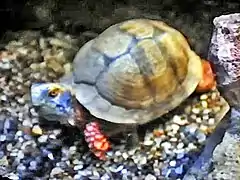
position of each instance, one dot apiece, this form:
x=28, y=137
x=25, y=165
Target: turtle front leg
x=97, y=141
x=208, y=81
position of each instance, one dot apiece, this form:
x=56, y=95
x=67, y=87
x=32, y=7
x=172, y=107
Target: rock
x=226, y=159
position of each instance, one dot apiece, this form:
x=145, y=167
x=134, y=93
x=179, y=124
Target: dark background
x=192, y=17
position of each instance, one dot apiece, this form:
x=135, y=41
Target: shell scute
x=113, y=43
x=140, y=29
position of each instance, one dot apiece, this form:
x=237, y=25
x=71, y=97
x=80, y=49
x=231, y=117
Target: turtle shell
x=135, y=71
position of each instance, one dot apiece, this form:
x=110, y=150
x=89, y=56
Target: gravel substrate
x=29, y=150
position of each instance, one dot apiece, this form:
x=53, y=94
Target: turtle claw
x=97, y=142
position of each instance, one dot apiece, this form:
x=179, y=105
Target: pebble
x=196, y=110
x=78, y=167
x=72, y=149
x=3, y=98
x=37, y=130
x=179, y=170
x=204, y=104
x=180, y=121
x=27, y=123
x=166, y=145
x=56, y=170
x=77, y=177
x=206, y=111
x=148, y=142
x=175, y=127
x=203, y=97
x=199, y=120
x=150, y=177
x=180, y=145
x=2, y=138
x=172, y=163
x=211, y=121
x=43, y=138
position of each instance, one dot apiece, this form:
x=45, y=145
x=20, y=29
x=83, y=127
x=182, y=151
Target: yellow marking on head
x=55, y=89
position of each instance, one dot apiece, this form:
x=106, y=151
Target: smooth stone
x=1, y=154
x=150, y=177
x=43, y=139
x=56, y=170
x=179, y=170
x=2, y=138
x=37, y=130
x=33, y=165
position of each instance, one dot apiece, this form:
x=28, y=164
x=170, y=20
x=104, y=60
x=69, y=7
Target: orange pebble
x=158, y=133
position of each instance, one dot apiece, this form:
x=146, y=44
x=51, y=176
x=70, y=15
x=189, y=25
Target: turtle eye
x=54, y=92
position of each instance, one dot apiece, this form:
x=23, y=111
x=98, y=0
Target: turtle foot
x=97, y=141
x=208, y=80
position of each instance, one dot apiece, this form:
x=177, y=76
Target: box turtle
x=132, y=73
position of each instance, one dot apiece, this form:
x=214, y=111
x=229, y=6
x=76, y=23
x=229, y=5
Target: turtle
x=133, y=72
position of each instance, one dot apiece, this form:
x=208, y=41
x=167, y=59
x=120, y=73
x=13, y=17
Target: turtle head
x=53, y=101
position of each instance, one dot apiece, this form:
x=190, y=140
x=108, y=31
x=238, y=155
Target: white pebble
x=125, y=155
x=180, y=145
x=172, y=163
x=9, y=147
x=43, y=138
x=205, y=117
x=206, y=111
x=73, y=149
x=180, y=121
x=204, y=104
x=214, y=95
x=166, y=145
x=198, y=120
x=20, y=155
x=174, y=139
x=191, y=146
x=148, y=142
x=203, y=97
x=50, y=156
x=203, y=128
x=56, y=170
x=19, y=133
x=175, y=127
x=76, y=161
x=196, y=110
x=3, y=98
x=27, y=123
x=20, y=139
x=52, y=136
x=193, y=116
x=211, y=121
x=77, y=177
x=78, y=167
x=150, y=177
